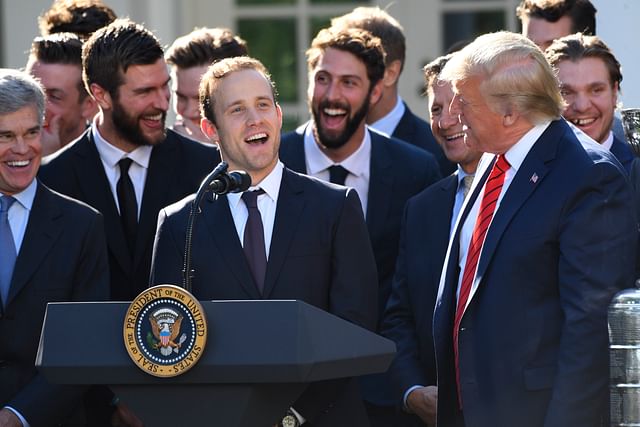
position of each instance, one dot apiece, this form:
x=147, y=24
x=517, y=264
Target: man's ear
x=101, y=96
x=376, y=92
x=510, y=117
x=89, y=108
x=209, y=129
x=392, y=73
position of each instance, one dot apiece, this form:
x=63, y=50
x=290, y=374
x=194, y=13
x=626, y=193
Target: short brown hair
x=218, y=71
x=581, y=12
x=82, y=17
x=203, y=46
x=578, y=46
x=359, y=42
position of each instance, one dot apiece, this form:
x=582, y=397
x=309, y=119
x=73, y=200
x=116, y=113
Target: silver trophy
x=631, y=125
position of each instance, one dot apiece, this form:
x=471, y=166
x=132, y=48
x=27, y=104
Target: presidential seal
x=165, y=331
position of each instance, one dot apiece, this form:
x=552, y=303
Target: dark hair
x=382, y=25
x=578, y=46
x=221, y=69
x=203, y=46
x=82, y=17
x=581, y=12
x=111, y=50
x=59, y=48
x=432, y=70
x=359, y=42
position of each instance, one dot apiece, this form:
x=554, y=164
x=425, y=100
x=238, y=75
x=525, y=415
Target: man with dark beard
x=346, y=67
x=127, y=165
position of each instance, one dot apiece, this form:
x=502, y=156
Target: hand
x=125, y=417
x=51, y=136
x=9, y=419
x=423, y=402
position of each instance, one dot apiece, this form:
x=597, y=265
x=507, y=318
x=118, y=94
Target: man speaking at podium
x=288, y=237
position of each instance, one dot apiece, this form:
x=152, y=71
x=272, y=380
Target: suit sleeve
x=353, y=297
x=399, y=325
x=167, y=259
x=597, y=242
x=42, y=403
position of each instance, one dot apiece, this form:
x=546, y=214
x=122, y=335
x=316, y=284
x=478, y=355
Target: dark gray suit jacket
x=63, y=257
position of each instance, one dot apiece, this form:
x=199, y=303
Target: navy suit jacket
x=319, y=253
x=398, y=171
x=533, y=343
x=63, y=257
x=409, y=313
x=622, y=150
x=176, y=168
x=415, y=131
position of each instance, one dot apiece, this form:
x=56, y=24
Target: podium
x=259, y=357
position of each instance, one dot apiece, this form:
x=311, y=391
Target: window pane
x=317, y=23
x=263, y=2
x=273, y=41
x=461, y=26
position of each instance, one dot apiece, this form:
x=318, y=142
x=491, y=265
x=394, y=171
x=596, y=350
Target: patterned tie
x=492, y=190
x=466, y=185
x=7, y=249
x=337, y=174
x=253, y=241
x=128, y=204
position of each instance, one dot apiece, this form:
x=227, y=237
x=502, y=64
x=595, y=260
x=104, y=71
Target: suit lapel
x=42, y=231
x=405, y=129
x=156, y=188
x=288, y=212
x=292, y=150
x=222, y=231
x=380, y=185
x=96, y=192
x=528, y=178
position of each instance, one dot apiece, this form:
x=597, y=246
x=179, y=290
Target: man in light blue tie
x=52, y=248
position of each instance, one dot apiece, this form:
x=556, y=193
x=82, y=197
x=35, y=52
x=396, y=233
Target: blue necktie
x=7, y=249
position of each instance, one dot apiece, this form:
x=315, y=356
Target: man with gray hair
x=52, y=248
x=546, y=238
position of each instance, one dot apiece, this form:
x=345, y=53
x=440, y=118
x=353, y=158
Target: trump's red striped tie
x=492, y=190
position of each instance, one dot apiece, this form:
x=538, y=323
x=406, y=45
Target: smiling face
x=340, y=95
x=20, y=149
x=61, y=83
x=248, y=123
x=481, y=125
x=447, y=129
x=590, y=95
x=139, y=110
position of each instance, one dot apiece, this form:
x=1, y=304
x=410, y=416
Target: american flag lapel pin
x=534, y=178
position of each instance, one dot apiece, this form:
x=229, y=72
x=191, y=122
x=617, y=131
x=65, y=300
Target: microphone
x=232, y=182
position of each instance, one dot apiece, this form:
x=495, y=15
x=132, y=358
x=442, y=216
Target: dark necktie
x=466, y=185
x=128, y=204
x=7, y=249
x=337, y=174
x=492, y=190
x=253, y=241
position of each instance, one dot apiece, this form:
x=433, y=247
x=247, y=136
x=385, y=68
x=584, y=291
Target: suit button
x=462, y=329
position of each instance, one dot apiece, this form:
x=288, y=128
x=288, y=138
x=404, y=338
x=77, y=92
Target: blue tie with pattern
x=7, y=249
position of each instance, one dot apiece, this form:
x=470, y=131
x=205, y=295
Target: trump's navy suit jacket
x=533, y=340
x=63, y=257
x=320, y=253
x=407, y=320
x=176, y=168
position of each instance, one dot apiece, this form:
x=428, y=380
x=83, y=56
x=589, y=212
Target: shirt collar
x=270, y=184
x=111, y=154
x=27, y=196
x=608, y=143
x=387, y=124
x=357, y=163
x=517, y=153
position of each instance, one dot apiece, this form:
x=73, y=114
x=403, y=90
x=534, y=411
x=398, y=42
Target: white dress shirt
x=358, y=164
x=267, y=204
x=388, y=124
x=111, y=155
